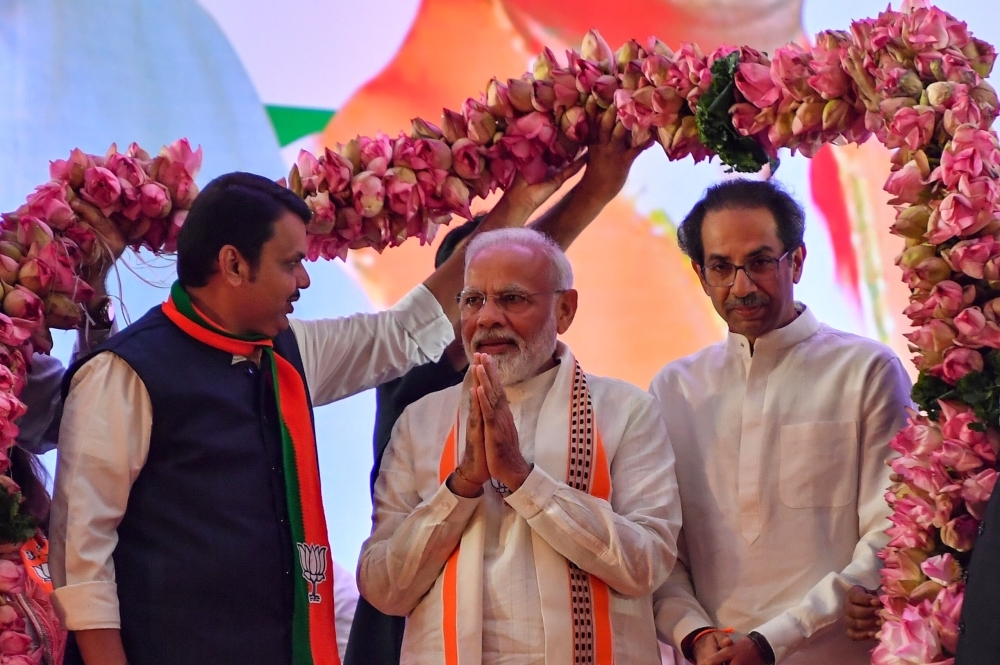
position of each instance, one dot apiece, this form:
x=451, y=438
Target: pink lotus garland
x=913, y=78
x=48, y=241
x=44, y=246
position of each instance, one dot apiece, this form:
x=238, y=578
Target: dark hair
x=455, y=236
x=27, y=471
x=746, y=194
x=237, y=209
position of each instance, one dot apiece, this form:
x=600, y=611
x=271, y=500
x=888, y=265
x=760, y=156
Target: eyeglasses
x=758, y=269
x=511, y=302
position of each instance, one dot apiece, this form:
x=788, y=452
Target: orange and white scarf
x=576, y=612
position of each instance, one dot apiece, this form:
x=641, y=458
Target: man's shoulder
x=619, y=389
x=435, y=406
x=691, y=365
x=830, y=340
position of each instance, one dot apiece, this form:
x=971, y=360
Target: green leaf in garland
x=16, y=526
x=927, y=391
x=715, y=125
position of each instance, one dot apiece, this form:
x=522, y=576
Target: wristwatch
x=102, y=313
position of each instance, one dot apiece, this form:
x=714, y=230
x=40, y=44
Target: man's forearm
x=101, y=646
x=566, y=220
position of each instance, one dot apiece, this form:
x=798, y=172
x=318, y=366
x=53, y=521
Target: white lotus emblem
x=312, y=559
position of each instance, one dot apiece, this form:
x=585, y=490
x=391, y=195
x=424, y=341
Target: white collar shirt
x=781, y=465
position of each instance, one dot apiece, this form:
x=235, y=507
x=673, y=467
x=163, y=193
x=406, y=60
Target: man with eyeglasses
x=781, y=433
x=527, y=514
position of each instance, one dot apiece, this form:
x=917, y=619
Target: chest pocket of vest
x=818, y=464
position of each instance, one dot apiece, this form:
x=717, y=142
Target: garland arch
x=914, y=78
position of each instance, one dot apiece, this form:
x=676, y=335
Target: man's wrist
x=763, y=646
x=461, y=486
x=101, y=311
x=514, y=479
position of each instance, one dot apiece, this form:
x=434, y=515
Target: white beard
x=531, y=354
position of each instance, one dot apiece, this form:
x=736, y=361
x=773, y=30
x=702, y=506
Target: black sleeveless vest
x=204, y=557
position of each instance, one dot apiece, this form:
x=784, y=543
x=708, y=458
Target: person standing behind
x=187, y=520
x=376, y=638
x=781, y=433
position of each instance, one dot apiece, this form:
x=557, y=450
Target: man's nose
x=491, y=313
x=742, y=284
x=302, y=280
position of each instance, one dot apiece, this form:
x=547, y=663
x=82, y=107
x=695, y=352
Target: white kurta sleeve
x=675, y=607
x=411, y=538
x=886, y=396
x=103, y=441
x=347, y=355
x=631, y=542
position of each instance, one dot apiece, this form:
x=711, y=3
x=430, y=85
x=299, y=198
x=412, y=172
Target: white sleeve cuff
x=420, y=314
x=88, y=606
x=783, y=634
x=534, y=494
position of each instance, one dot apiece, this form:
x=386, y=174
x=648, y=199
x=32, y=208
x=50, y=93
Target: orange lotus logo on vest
x=312, y=559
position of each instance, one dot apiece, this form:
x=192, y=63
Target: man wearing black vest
x=187, y=524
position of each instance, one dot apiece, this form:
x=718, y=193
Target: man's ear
x=232, y=266
x=798, y=259
x=566, y=309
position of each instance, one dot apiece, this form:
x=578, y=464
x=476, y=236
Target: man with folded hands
x=782, y=435
x=526, y=515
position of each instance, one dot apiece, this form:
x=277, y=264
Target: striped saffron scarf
x=314, y=637
x=576, y=611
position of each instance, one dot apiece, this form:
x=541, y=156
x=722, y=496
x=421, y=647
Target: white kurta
x=629, y=543
x=781, y=461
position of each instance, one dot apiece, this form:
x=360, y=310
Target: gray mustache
x=751, y=300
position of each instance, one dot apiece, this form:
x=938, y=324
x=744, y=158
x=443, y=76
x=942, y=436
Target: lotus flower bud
x=41, y=339
x=369, y=194
x=595, y=49
x=836, y=115
x=604, y=90
x=939, y=92
x=543, y=96
x=911, y=85
x=628, y=52
x=36, y=276
x=655, y=46
x=455, y=194
x=467, y=159
x=453, y=126
x=21, y=303
x=61, y=312
x=9, y=269
x=482, y=124
x=912, y=223
x=498, y=100
x=981, y=56
x=421, y=129
x=352, y=152
x=520, y=93
x=12, y=249
x=913, y=256
x=985, y=98
x=574, y=124
x=544, y=65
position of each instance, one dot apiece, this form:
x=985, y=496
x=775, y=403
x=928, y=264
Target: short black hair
x=746, y=194
x=237, y=209
x=455, y=236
